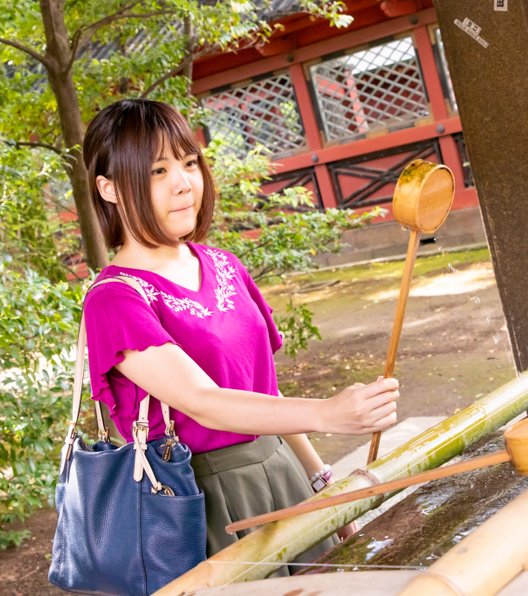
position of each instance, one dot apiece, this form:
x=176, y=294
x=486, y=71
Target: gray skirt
x=250, y=479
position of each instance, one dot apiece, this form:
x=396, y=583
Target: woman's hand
x=363, y=409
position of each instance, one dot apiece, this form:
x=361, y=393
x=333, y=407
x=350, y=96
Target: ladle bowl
x=423, y=196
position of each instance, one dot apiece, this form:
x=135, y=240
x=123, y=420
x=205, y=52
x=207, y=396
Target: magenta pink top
x=226, y=327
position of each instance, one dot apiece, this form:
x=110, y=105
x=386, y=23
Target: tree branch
x=67, y=158
x=105, y=20
x=92, y=28
x=175, y=71
x=35, y=145
x=172, y=73
x=72, y=272
x=190, y=42
x=256, y=246
x=27, y=50
x=82, y=35
x=264, y=273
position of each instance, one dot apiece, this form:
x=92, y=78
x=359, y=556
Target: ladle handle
x=394, y=341
x=387, y=487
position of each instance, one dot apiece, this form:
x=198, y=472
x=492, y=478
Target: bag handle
x=141, y=425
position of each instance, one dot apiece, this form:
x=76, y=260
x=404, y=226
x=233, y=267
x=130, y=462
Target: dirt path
x=454, y=347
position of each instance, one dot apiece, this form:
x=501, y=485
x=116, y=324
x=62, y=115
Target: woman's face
x=176, y=187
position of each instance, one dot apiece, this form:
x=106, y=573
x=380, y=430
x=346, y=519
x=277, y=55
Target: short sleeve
x=117, y=319
x=266, y=310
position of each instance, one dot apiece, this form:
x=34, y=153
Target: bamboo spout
x=274, y=545
x=516, y=452
x=517, y=445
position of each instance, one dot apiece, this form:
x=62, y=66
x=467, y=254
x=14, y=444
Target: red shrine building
x=342, y=110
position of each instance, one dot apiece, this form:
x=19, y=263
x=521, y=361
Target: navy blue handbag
x=131, y=518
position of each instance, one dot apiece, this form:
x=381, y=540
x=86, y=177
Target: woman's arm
x=312, y=463
x=305, y=452
x=167, y=373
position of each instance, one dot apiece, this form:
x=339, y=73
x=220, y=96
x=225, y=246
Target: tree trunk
x=58, y=56
x=188, y=68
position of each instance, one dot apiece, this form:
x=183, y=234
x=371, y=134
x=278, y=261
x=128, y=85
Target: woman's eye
x=192, y=163
x=158, y=171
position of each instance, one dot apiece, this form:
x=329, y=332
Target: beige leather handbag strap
x=140, y=428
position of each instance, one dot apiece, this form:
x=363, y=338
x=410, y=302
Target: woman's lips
x=181, y=209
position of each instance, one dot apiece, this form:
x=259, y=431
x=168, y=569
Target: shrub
x=277, y=233
x=38, y=324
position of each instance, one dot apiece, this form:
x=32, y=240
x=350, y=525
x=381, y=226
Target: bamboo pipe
x=516, y=452
x=421, y=202
x=482, y=563
x=276, y=544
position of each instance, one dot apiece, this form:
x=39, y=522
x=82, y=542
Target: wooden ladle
x=516, y=451
x=421, y=202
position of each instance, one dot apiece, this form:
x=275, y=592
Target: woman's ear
x=106, y=189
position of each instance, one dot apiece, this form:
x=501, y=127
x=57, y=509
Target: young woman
x=205, y=343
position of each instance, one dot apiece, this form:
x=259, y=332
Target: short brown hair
x=121, y=143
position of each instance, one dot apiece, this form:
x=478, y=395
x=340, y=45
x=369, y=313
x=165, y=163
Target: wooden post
x=486, y=44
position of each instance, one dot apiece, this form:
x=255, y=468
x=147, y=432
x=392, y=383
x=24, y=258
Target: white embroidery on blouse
x=179, y=304
x=176, y=304
x=225, y=272
x=224, y=290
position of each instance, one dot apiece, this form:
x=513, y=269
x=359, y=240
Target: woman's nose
x=180, y=182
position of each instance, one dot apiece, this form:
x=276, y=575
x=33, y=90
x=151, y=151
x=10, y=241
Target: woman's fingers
x=382, y=399
x=381, y=386
x=368, y=408
x=387, y=421
x=382, y=412
x=381, y=424
x=375, y=389
x=379, y=403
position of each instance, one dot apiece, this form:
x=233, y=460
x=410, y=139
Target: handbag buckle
x=165, y=490
x=169, y=429
x=167, y=448
x=104, y=435
x=141, y=429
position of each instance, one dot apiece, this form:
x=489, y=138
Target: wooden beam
x=210, y=74
x=399, y=8
x=356, y=147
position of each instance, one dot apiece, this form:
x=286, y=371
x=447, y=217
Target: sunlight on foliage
x=276, y=233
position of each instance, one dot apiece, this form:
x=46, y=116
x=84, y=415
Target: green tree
x=37, y=227
x=38, y=323
x=60, y=63
x=277, y=233
x=53, y=80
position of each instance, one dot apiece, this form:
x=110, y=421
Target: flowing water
x=426, y=524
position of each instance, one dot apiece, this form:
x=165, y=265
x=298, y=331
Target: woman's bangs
x=182, y=141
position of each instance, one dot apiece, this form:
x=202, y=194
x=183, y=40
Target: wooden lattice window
x=369, y=89
x=263, y=112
